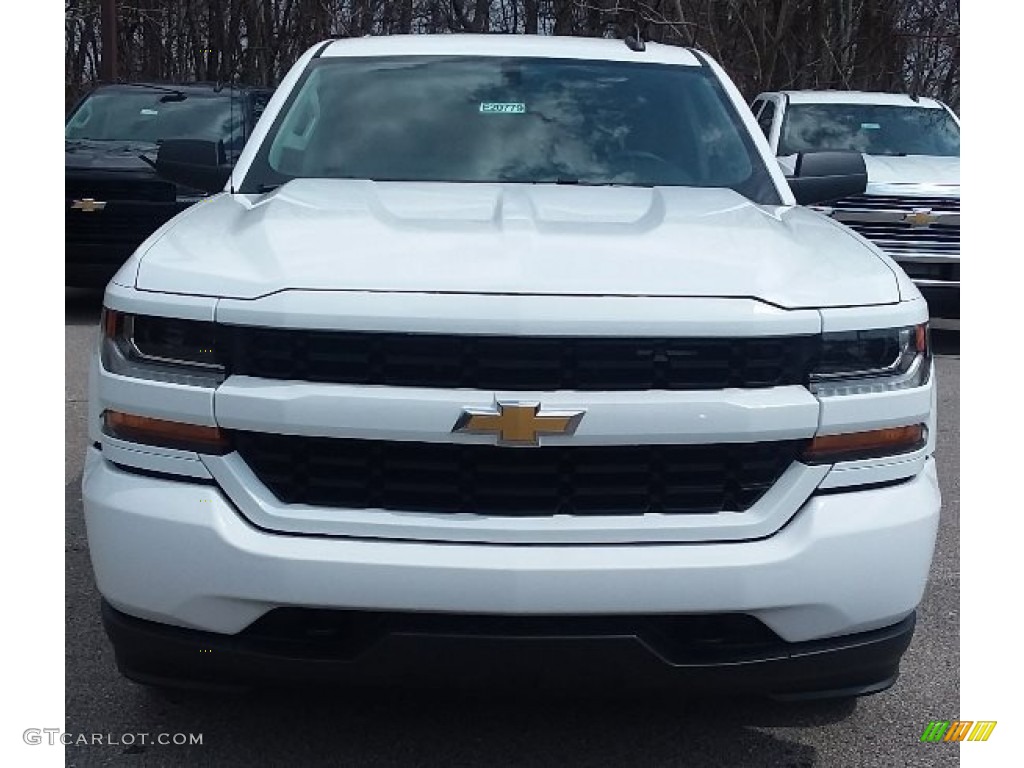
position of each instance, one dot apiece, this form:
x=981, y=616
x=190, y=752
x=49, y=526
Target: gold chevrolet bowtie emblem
x=921, y=217
x=88, y=205
x=517, y=423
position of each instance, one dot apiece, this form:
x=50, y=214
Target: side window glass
x=766, y=117
x=259, y=103
x=756, y=107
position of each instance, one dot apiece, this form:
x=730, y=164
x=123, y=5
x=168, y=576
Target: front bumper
x=178, y=553
x=451, y=652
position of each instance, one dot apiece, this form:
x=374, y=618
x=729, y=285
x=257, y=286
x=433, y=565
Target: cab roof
x=860, y=97
x=534, y=46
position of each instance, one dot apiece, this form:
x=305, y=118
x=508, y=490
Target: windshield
x=869, y=128
x=154, y=115
x=460, y=119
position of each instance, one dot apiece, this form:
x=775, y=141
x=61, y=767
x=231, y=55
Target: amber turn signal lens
x=827, y=449
x=921, y=338
x=167, y=434
x=110, y=320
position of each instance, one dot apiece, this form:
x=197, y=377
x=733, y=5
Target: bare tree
x=894, y=45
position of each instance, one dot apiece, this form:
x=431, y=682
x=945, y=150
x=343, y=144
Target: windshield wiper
x=584, y=183
x=175, y=92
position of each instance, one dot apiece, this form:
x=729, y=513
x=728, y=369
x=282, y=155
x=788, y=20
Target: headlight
x=881, y=360
x=161, y=348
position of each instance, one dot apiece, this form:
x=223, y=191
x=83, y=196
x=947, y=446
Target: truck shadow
x=396, y=726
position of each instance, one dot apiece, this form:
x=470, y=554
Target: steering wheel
x=649, y=166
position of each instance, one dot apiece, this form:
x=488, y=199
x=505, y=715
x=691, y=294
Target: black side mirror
x=194, y=163
x=821, y=177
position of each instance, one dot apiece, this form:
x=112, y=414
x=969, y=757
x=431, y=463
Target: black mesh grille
x=488, y=480
x=113, y=225
x=127, y=189
x=518, y=362
x=333, y=634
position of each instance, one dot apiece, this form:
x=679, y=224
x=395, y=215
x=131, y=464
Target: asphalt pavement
x=397, y=726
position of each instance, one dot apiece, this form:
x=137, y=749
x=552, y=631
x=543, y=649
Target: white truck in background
x=911, y=147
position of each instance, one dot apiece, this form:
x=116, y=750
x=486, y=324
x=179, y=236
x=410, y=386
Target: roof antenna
x=636, y=42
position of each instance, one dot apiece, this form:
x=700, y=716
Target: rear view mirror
x=821, y=177
x=194, y=163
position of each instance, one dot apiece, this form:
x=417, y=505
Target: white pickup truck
x=911, y=146
x=511, y=353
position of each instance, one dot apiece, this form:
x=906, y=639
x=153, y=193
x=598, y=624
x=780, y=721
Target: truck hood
x=319, y=234
x=913, y=169
x=89, y=154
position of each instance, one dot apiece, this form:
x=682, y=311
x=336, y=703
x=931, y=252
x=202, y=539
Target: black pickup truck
x=113, y=197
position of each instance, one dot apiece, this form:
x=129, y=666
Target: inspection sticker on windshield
x=870, y=126
x=148, y=112
x=503, y=107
